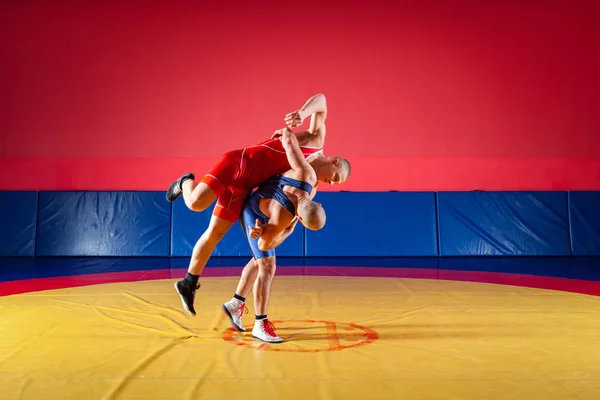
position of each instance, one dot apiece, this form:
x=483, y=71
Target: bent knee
x=197, y=203
x=200, y=198
x=267, y=265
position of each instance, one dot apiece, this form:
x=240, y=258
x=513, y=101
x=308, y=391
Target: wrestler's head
x=333, y=170
x=311, y=214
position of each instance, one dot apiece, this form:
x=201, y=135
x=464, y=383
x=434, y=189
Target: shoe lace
x=269, y=328
x=242, y=309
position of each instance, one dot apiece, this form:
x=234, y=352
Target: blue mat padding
x=103, y=224
x=18, y=213
x=504, y=224
x=359, y=224
x=376, y=225
x=584, y=213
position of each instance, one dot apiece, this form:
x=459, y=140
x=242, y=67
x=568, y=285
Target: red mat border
x=531, y=281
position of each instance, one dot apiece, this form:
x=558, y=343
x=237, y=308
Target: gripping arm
x=292, y=151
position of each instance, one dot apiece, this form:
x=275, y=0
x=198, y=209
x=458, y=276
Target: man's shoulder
x=309, y=176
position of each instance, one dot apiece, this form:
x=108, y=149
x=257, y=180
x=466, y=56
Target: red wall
x=423, y=95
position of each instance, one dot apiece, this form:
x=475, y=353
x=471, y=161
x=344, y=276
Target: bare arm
x=273, y=235
x=303, y=136
x=267, y=242
x=316, y=107
x=293, y=152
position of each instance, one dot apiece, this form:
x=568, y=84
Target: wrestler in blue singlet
x=270, y=189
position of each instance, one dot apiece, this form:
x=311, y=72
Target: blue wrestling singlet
x=270, y=189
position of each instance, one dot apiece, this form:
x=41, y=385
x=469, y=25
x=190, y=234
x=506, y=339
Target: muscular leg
x=263, y=328
x=203, y=249
x=262, y=285
x=235, y=308
x=258, y=274
x=247, y=279
x=205, y=246
x=197, y=196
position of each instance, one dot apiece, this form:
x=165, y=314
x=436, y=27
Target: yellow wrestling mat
x=347, y=338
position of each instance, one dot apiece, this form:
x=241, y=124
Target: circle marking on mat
x=307, y=336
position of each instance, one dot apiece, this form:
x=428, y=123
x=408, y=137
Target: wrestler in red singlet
x=237, y=172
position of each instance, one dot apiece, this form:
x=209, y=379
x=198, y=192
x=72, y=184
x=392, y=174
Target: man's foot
x=234, y=309
x=187, y=293
x=175, y=189
x=265, y=331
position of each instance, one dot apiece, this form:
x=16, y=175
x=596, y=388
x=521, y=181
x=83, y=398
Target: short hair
x=313, y=215
x=345, y=165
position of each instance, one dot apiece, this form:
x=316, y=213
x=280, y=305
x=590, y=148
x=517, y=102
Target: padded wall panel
x=188, y=226
x=18, y=212
x=503, y=224
x=584, y=211
x=375, y=224
x=103, y=224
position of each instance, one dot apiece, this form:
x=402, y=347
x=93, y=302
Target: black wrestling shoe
x=187, y=294
x=175, y=190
